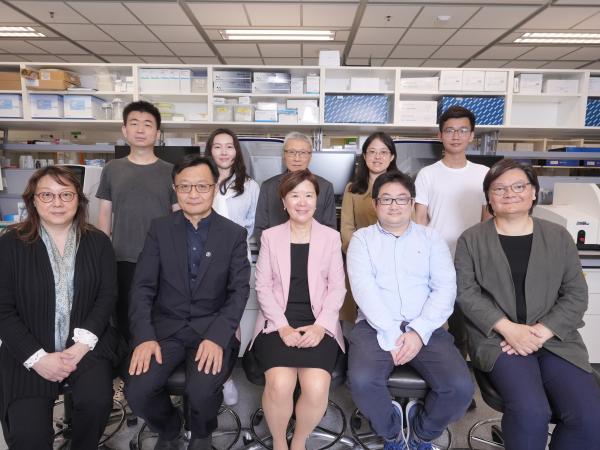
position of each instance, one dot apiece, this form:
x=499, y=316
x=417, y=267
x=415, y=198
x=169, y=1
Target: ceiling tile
x=19, y=47
x=147, y=48
x=458, y=15
x=468, y=37
x=9, y=15
x=280, y=50
x=81, y=58
x=563, y=65
x=104, y=12
x=82, y=32
x=107, y=48
x=161, y=59
x=548, y=53
x=174, y=33
x=584, y=53
x=310, y=61
x=485, y=63
x=427, y=36
x=236, y=49
x=328, y=15
x=593, y=23
x=199, y=60
x=377, y=62
x=273, y=14
x=357, y=62
x=283, y=61
x=403, y=62
x=12, y=58
x=499, y=17
x=137, y=33
x=41, y=11
x=124, y=59
x=157, y=13
x=413, y=51
x=442, y=63
x=374, y=51
x=522, y=64
x=504, y=52
x=456, y=51
x=190, y=49
x=244, y=61
x=389, y=16
x=559, y=18
x=213, y=34
x=378, y=35
x=225, y=14
x=64, y=47
x=42, y=58
x=341, y=35
x=510, y=38
x=593, y=66
x=312, y=50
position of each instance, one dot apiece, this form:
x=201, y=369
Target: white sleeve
x=85, y=337
x=34, y=358
x=422, y=188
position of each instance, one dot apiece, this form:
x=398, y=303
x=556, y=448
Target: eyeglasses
x=201, y=188
x=298, y=153
x=48, y=197
x=389, y=200
x=517, y=188
x=462, y=132
x=373, y=153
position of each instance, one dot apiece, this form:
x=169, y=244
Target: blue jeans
x=542, y=385
x=439, y=363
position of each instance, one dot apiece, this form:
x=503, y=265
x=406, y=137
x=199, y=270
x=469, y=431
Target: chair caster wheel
x=497, y=435
x=258, y=417
x=132, y=421
x=247, y=438
x=356, y=422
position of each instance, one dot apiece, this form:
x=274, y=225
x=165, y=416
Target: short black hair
x=394, y=176
x=195, y=160
x=500, y=168
x=142, y=106
x=457, y=112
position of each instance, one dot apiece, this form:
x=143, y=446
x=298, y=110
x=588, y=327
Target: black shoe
x=472, y=406
x=200, y=444
x=163, y=444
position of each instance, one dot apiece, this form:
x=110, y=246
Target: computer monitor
x=263, y=157
x=336, y=167
x=411, y=155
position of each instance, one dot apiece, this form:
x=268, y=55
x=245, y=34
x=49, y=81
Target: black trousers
x=148, y=398
x=125, y=272
x=29, y=426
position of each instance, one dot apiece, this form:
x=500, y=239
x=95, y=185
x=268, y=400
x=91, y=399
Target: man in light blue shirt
x=403, y=280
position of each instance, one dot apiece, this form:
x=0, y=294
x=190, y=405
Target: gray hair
x=297, y=136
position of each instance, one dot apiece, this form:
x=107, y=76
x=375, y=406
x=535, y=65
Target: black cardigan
x=27, y=306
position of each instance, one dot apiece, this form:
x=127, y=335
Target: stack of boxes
x=10, y=104
x=166, y=80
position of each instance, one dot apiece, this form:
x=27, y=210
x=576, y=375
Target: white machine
x=576, y=206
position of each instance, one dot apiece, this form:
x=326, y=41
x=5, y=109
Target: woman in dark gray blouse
x=522, y=290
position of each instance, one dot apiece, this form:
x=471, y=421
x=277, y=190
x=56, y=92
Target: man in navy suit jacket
x=189, y=292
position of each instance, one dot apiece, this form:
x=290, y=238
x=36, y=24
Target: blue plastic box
x=592, y=112
x=487, y=110
x=357, y=108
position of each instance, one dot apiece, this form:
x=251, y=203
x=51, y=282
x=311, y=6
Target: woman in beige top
x=378, y=156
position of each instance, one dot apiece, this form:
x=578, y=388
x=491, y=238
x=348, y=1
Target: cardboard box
x=487, y=110
x=288, y=116
x=297, y=86
x=417, y=112
x=473, y=80
x=11, y=105
x=560, y=86
x=357, y=108
x=82, y=107
x=51, y=79
x=10, y=81
x=233, y=86
x=364, y=84
x=264, y=87
x=313, y=84
x=451, y=80
x=495, y=80
x=261, y=115
x=529, y=83
x=159, y=80
x=329, y=58
x=429, y=84
x=272, y=77
x=223, y=113
x=232, y=75
x=46, y=106
x=243, y=113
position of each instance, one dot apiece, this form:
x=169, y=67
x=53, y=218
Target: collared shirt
x=395, y=279
x=196, y=241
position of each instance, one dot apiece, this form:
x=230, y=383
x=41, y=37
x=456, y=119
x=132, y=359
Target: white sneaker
x=230, y=393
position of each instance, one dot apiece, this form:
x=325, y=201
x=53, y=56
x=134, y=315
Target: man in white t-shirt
x=450, y=194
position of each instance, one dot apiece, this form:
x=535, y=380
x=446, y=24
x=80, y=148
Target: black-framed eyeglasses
x=48, y=197
x=402, y=201
x=462, y=132
x=300, y=153
x=201, y=188
x=517, y=188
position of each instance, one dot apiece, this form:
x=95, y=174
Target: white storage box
x=82, y=107
x=361, y=84
x=46, y=106
x=297, y=86
x=329, y=58
x=529, y=83
x=594, y=86
x=495, y=80
x=473, y=80
x=265, y=116
x=223, y=113
x=428, y=84
x=417, y=112
x=11, y=105
x=308, y=110
x=313, y=84
x=243, y=113
x=560, y=86
x=159, y=80
x=288, y=116
x=451, y=80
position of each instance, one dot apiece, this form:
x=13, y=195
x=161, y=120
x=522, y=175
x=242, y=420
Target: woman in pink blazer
x=300, y=286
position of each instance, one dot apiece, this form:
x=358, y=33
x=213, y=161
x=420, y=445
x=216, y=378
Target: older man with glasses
x=404, y=284
x=297, y=151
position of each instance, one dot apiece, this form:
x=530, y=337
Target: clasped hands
x=522, y=339
x=408, y=345
x=57, y=366
x=302, y=337
x=209, y=357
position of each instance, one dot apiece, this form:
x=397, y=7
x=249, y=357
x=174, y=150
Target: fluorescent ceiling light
x=20, y=32
x=277, y=35
x=559, y=38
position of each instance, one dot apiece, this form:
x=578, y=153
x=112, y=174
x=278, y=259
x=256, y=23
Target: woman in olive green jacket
x=522, y=291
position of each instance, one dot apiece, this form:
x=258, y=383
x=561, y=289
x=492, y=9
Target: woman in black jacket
x=57, y=293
